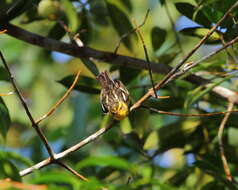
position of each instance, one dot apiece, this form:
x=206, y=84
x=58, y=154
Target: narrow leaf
x=4, y=119
x=85, y=84
x=3, y=74
x=91, y=66
x=158, y=36
x=120, y=22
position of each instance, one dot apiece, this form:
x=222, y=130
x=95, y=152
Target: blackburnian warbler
x=114, y=96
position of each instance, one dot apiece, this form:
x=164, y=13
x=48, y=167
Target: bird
x=114, y=96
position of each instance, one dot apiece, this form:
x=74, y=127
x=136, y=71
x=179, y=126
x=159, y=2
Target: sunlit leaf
x=71, y=14
x=126, y=126
x=151, y=141
x=232, y=136
x=201, y=32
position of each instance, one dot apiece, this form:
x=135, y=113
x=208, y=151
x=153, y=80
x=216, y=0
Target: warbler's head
x=119, y=110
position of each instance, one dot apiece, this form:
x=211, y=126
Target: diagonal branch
x=180, y=64
x=190, y=66
x=33, y=123
x=110, y=58
x=71, y=170
x=72, y=149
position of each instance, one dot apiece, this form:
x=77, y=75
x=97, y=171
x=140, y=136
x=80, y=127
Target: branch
x=190, y=114
x=220, y=142
x=33, y=123
x=110, y=58
x=190, y=66
x=180, y=64
x=71, y=170
x=3, y=31
x=63, y=154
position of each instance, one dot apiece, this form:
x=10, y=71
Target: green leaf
x=9, y=170
x=58, y=177
x=99, y=13
x=12, y=9
x=71, y=14
x=193, y=13
x=198, y=93
x=4, y=118
x=128, y=74
x=126, y=126
x=216, y=172
x=158, y=36
x=86, y=27
x=176, y=134
x=85, y=84
x=91, y=66
x=3, y=74
x=232, y=136
x=162, y=2
x=127, y=4
x=201, y=32
x=215, y=10
x=121, y=23
x=15, y=157
x=151, y=141
x=56, y=32
x=213, y=185
x=107, y=161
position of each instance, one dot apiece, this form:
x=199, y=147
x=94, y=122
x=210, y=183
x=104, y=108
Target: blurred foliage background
x=146, y=150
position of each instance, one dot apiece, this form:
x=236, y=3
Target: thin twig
x=180, y=64
x=72, y=149
x=108, y=57
x=147, y=57
x=33, y=123
x=54, y=107
x=220, y=142
x=131, y=32
x=3, y=31
x=71, y=170
x=190, y=115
